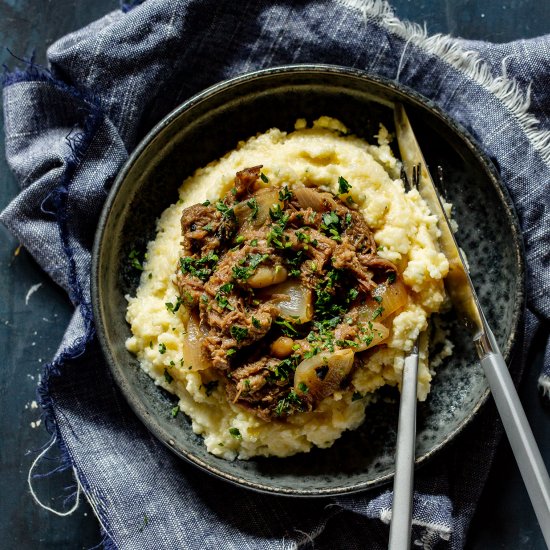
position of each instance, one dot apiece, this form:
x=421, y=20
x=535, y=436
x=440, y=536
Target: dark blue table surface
x=31, y=326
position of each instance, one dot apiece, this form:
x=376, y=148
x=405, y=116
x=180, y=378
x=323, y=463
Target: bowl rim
x=220, y=87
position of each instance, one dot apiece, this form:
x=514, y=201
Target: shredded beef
x=313, y=238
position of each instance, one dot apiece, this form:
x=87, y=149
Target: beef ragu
x=285, y=292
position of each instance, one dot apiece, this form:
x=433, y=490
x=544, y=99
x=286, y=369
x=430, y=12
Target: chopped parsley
x=256, y=323
x=253, y=205
x=330, y=225
x=134, y=260
x=391, y=277
x=206, y=203
x=302, y=386
x=285, y=194
x=162, y=348
x=326, y=304
x=288, y=404
x=174, y=411
x=284, y=369
x=276, y=237
x=167, y=376
x=239, y=333
x=343, y=185
x=201, y=268
x=234, y=432
x=286, y=328
x=377, y=312
x=248, y=265
x=277, y=215
x=264, y=178
x=221, y=296
x=378, y=299
x=352, y=294
x=170, y=306
x=227, y=212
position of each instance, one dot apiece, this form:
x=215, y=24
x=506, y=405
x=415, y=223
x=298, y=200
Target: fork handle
x=400, y=526
x=522, y=441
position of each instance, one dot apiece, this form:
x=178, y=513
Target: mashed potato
x=404, y=231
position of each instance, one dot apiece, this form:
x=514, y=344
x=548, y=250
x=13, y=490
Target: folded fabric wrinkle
x=110, y=82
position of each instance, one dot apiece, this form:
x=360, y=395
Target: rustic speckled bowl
x=209, y=125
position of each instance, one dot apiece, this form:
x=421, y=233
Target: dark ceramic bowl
x=206, y=127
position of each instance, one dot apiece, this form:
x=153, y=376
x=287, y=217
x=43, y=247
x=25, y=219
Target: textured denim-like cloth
x=70, y=129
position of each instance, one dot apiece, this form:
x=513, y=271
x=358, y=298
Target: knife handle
x=520, y=436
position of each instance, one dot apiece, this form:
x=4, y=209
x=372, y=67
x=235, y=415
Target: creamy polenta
x=405, y=233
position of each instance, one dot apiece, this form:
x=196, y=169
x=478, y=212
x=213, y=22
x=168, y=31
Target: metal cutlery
x=464, y=299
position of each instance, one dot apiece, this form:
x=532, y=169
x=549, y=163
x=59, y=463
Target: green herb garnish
x=285, y=194
x=174, y=307
x=248, y=265
x=286, y=328
x=201, y=268
x=331, y=225
x=289, y=403
x=253, y=205
x=239, y=333
x=226, y=211
x=162, y=348
x=221, y=296
x=343, y=185
x=234, y=432
x=168, y=377
x=134, y=260
x=377, y=312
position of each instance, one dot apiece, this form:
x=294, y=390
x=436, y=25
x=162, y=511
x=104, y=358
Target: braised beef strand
x=252, y=259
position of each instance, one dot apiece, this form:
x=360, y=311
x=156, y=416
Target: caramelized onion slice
x=308, y=198
x=321, y=375
x=267, y=276
x=254, y=211
x=297, y=307
x=193, y=355
x=387, y=299
x=371, y=334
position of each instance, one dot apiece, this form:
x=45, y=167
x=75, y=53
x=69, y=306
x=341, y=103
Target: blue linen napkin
x=69, y=129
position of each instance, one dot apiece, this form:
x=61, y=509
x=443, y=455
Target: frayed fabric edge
x=307, y=540
x=443, y=532
x=544, y=384
x=505, y=89
x=78, y=146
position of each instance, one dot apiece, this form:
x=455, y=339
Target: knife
x=464, y=299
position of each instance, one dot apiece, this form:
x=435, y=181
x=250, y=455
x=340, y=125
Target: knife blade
x=464, y=299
